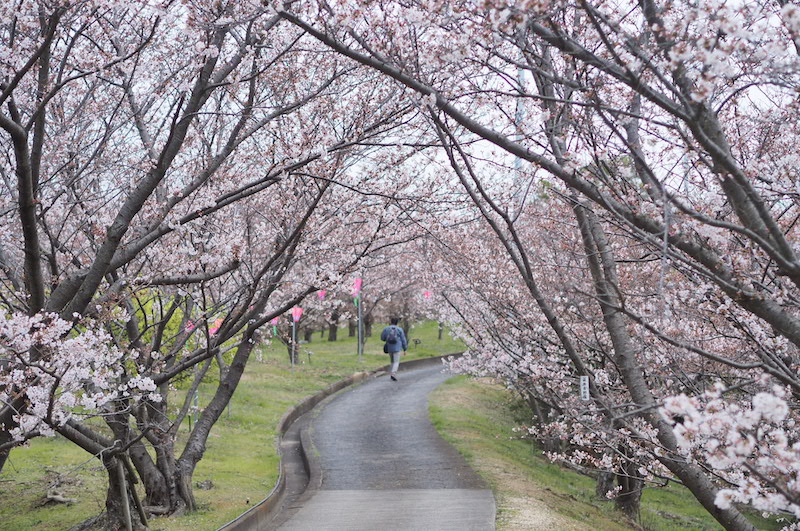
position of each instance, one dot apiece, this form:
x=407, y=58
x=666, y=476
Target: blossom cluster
x=61, y=369
x=749, y=443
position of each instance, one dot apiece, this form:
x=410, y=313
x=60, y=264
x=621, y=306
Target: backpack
x=391, y=337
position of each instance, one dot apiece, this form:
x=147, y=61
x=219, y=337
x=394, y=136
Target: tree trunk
x=168, y=480
x=630, y=495
x=158, y=477
x=5, y=437
x=155, y=484
x=333, y=327
x=351, y=328
x=604, y=485
x=368, y=320
x=604, y=274
x=121, y=511
x=307, y=334
x=163, y=482
x=196, y=445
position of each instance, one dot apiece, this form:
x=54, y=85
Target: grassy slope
x=240, y=460
x=477, y=417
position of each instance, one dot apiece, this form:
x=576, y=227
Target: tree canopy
x=597, y=191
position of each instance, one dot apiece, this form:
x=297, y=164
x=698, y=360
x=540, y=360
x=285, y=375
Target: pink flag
x=297, y=312
x=427, y=294
x=321, y=294
x=215, y=326
x=189, y=325
x=357, y=287
x=274, y=322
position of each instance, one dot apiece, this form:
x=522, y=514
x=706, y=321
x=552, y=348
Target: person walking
x=395, y=342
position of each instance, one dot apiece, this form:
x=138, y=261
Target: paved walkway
x=378, y=463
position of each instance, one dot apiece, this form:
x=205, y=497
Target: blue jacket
x=402, y=342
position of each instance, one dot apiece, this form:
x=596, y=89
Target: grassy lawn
x=477, y=416
x=240, y=460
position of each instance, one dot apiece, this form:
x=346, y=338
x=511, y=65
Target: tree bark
x=604, y=484
x=158, y=477
x=333, y=328
x=118, y=498
x=631, y=484
x=368, y=322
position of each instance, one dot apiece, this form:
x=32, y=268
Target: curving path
x=378, y=463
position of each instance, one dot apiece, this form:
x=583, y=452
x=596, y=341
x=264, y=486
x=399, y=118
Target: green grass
x=478, y=420
x=242, y=462
x=673, y=507
x=241, y=459
x=477, y=417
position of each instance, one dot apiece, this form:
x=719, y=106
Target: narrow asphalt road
x=378, y=463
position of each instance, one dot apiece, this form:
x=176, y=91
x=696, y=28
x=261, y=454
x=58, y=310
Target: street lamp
x=297, y=312
x=357, y=300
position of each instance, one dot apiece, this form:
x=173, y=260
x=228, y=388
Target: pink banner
x=297, y=312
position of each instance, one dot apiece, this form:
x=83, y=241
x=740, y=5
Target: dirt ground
x=529, y=507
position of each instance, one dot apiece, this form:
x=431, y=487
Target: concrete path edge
x=258, y=516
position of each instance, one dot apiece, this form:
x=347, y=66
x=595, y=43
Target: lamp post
x=297, y=312
x=357, y=300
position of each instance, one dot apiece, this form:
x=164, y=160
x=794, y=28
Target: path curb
x=258, y=516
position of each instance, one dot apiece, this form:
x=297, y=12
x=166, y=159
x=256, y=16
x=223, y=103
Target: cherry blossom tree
x=168, y=180
x=661, y=121
x=602, y=191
